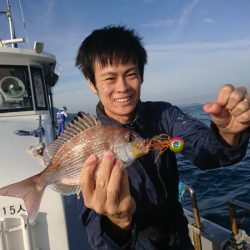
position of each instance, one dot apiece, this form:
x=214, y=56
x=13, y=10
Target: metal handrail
x=197, y=222
x=233, y=204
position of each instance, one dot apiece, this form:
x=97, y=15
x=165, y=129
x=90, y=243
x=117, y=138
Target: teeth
x=122, y=99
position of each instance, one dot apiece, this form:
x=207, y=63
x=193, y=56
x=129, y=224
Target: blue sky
x=193, y=46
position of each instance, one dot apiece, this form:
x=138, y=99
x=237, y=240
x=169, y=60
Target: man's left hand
x=230, y=112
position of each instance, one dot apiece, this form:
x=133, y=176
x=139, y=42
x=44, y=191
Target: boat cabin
x=26, y=79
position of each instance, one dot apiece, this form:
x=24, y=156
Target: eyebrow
x=135, y=68
x=107, y=74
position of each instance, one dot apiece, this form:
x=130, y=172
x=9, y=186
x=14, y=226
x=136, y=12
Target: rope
x=36, y=132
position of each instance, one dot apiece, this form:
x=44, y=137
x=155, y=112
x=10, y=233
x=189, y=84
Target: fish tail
x=30, y=191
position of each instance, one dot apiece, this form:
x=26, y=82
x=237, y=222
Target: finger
x=247, y=98
x=212, y=108
x=105, y=169
x=114, y=188
x=244, y=118
x=125, y=191
x=102, y=181
x=236, y=97
x=241, y=108
x=86, y=179
x=224, y=94
x=127, y=205
x=216, y=111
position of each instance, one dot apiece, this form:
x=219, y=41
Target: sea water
x=215, y=188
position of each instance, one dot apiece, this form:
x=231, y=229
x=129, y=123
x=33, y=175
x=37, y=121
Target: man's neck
x=121, y=119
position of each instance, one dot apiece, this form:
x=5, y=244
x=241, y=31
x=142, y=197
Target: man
x=61, y=116
x=138, y=208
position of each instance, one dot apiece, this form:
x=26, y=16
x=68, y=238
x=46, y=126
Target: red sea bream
x=64, y=159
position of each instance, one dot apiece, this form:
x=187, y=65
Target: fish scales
x=69, y=159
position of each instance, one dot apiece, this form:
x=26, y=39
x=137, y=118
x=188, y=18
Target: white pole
x=1, y=236
x=8, y=13
x=25, y=231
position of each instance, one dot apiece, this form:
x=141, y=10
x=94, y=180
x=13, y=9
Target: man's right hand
x=109, y=194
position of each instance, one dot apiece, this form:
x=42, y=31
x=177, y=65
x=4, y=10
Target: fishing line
x=24, y=25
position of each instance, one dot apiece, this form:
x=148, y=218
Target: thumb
x=219, y=115
x=212, y=108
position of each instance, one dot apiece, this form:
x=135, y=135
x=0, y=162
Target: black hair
x=107, y=45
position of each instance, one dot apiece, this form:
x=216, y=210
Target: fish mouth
x=139, y=149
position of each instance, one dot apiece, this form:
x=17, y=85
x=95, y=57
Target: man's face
x=118, y=87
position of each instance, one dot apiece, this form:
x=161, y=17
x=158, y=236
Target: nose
x=121, y=84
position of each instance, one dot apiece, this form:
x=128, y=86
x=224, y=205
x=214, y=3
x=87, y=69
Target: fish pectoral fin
x=66, y=189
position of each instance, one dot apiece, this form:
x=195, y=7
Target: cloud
x=158, y=23
x=242, y=44
x=49, y=8
x=208, y=20
x=185, y=13
x=177, y=22
x=44, y=10
x=193, y=72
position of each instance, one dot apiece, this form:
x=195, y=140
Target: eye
x=132, y=75
x=129, y=137
x=109, y=79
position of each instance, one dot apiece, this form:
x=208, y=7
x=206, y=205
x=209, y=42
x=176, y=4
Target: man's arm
x=204, y=146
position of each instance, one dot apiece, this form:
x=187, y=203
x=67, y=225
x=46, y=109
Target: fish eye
x=129, y=137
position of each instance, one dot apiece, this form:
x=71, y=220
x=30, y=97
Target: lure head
x=177, y=144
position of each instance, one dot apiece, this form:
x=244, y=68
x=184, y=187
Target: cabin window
x=15, y=92
x=39, y=89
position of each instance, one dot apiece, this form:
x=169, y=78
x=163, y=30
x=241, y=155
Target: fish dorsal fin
x=79, y=123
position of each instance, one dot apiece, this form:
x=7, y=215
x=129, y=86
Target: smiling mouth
x=121, y=100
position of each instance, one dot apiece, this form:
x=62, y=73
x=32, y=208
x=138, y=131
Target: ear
x=92, y=87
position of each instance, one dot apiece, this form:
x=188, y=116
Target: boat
x=27, y=78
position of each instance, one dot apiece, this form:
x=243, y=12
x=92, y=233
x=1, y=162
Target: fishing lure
x=163, y=141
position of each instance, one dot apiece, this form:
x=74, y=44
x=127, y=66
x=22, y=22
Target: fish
x=64, y=157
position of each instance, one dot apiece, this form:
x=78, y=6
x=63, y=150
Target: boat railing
x=233, y=204
x=239, y=239
x=197, y=222
x=238, y=236
x=15, y=233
